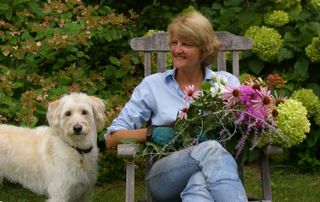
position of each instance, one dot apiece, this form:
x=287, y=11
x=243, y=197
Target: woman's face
x=184, y=55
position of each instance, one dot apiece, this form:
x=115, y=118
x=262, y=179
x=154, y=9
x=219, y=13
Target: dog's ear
x=53, y=113
x=99, y=108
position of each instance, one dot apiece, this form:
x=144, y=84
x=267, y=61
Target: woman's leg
x=221, y=172
x=168, y=177
x=196, y=189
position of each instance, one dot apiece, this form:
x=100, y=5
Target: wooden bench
x=158, y=43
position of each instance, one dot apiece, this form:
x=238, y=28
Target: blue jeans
x=203, y=173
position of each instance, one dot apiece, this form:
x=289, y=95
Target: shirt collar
x=169, y=74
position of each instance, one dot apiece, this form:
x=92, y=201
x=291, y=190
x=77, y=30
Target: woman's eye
x=186, y=45
x=68, y=113
x=174, y=42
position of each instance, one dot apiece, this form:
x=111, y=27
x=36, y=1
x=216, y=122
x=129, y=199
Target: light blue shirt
x=158, y=99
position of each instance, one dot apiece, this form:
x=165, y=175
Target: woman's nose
x=178, y=48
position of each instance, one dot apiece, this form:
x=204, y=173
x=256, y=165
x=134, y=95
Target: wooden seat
x=158, y=44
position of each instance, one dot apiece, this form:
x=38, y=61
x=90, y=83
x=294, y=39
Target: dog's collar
x=83, y=151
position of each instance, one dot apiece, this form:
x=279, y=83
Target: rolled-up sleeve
x=136, y=112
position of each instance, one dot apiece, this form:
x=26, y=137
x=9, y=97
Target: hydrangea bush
x=313, y=49
x=315, y=3
x=276, y=18
x=286, y=4
x=293, y=122
x=266, y=42
x=309, y=99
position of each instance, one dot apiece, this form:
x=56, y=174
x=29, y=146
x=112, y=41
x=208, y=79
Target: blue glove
x=162, y=135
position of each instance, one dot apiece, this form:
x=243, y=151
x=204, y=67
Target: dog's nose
x=77, y=128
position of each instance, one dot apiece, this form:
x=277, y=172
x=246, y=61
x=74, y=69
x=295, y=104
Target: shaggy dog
x=58, y=160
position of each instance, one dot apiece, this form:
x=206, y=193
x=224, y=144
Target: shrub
x=60, y=48
x=266, y=42
x=313, y=49
x=276, y=18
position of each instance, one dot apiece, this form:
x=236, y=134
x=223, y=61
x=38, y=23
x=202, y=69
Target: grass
x=286, y=186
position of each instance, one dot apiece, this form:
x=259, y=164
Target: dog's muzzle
x=77, y=129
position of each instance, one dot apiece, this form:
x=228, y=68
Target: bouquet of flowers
x=251, y=113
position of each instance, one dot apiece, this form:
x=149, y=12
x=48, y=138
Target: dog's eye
x=84, y=112
x=68, y=113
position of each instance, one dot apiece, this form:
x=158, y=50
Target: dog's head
x=77, y=115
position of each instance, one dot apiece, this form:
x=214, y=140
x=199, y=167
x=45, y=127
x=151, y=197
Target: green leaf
x=284, y=54
x=72, y=49
x=51, y=57
x=231, y=2
x=16, y=85
x=315, y=87
x=107, y=36
x=4, y=7
x=71, y=58
x=301, y=68
x=8, y=13
x=304, y=15
x=247, y=16
x=35, y=8
x=80, y=54
x=289, y=37
x=314, y=27
x=17, y=2
x=114, y=61
x=135, y=58
x=60, y=63
x=4, y=99
x=156, y=147
x=120, y=73
x=256, y=65
x=216, y=6
x=206, y=86
x=25, y=35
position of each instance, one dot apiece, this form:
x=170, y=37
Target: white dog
x=60, y=160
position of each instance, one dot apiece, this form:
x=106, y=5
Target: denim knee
x=215, y=161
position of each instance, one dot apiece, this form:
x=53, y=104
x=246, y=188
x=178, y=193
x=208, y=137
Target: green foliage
x=276, y=18
x=293, y=122
x=266, y=42
x=308, y=99
x=62, y=48
x=313, y=49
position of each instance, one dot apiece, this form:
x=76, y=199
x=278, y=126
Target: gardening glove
x=202, y=137
x=209, y=135
x=161, y=135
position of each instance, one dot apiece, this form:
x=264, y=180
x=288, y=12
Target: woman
x=205, y=172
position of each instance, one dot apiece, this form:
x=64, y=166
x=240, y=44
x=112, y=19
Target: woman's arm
x=115, y=138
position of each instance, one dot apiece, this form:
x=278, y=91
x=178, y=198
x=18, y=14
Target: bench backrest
x=158, y=43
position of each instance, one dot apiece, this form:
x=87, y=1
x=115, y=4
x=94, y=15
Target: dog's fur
x=58, y=160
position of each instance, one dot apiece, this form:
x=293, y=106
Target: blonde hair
x=196, y=30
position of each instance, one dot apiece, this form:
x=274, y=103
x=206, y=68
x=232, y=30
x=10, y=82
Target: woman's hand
x=162, y=135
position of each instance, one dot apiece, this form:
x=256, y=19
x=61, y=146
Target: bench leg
x=265, y=176
x=130, y=181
